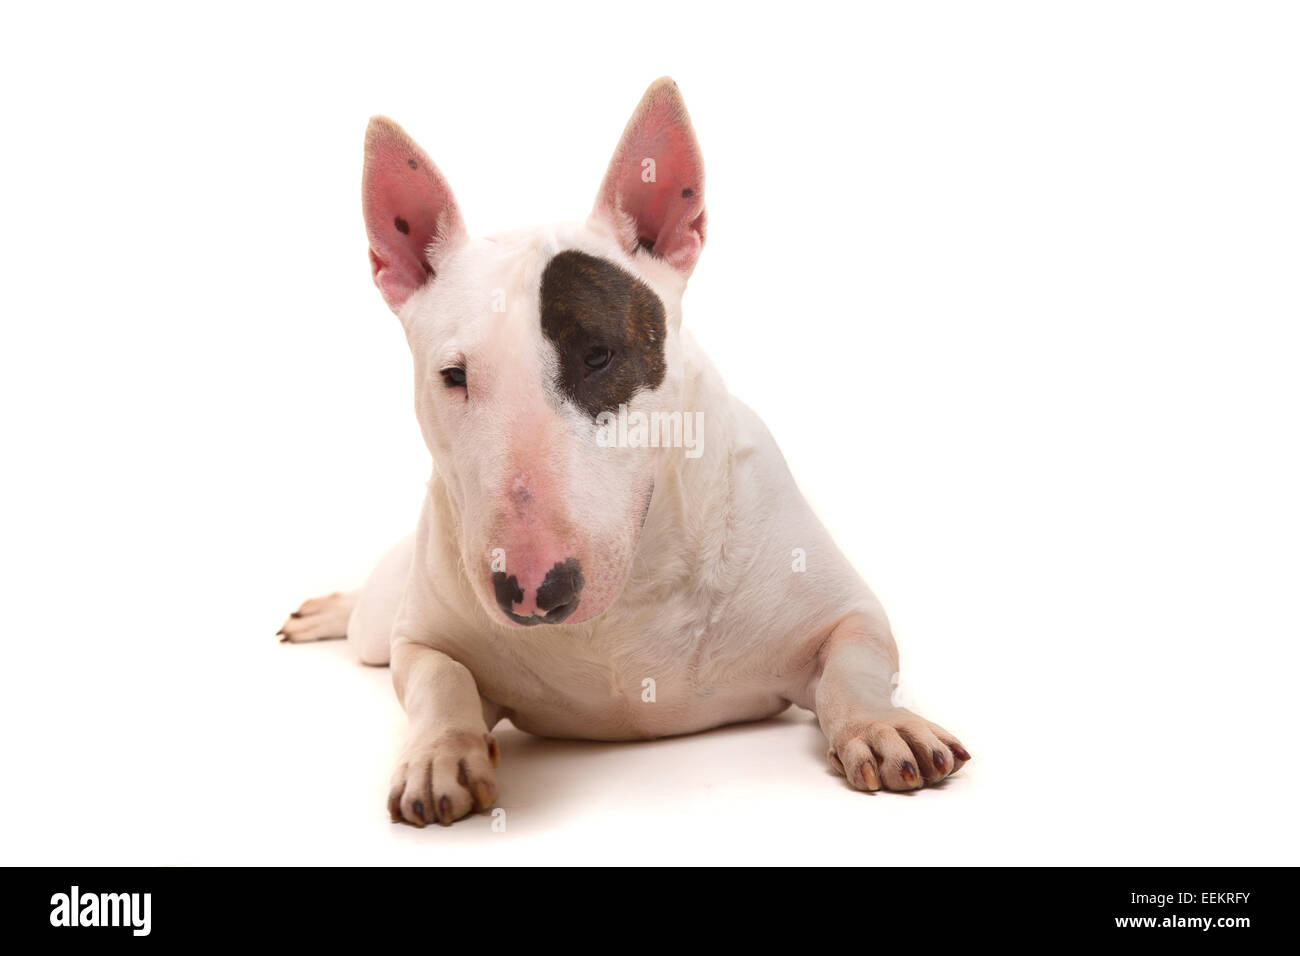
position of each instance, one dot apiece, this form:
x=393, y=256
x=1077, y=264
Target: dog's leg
x=319, y=619
x=872, y=742
x=364, y=617
x=446, y=767
x=370, y=630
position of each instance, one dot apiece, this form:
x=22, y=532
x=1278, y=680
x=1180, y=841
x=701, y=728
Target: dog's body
x=712, y=612
x=588, y=588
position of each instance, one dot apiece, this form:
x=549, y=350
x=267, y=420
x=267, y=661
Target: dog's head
x=529, y=346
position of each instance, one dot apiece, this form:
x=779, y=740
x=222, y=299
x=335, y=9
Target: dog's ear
x=653, y=192
x=411, y=215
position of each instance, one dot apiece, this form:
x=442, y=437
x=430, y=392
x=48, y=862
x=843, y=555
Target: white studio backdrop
x=1013, y=284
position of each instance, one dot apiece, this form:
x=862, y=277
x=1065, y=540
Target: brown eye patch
x=591, y=307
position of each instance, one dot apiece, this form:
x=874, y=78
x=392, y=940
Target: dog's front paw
x=443, y=776
x=896, y=750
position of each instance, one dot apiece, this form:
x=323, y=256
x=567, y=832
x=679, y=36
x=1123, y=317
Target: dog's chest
x=620, y=685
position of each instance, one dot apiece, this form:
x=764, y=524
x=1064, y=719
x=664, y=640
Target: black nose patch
x=557, y=597
x=509, y=593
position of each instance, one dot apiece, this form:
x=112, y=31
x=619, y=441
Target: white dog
x=611, y=546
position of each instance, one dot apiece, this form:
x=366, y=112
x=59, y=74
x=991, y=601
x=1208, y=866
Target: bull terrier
x=574, y=570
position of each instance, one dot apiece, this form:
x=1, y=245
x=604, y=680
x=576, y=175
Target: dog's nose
x=556, y=598
x=558, y=595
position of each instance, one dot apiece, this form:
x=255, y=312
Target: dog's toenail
x=296, y=614
x=938, y=759
x=444, y=810
x=419, y=808
x=909, y=772
x=960, y=752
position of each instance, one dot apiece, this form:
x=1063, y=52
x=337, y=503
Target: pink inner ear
x=408, y=206
x=668, y=212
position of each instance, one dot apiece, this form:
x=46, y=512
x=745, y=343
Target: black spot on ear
x=688, y=193
x=402, y=225
x=413, y=164
x=647, y=244
x=590, y=303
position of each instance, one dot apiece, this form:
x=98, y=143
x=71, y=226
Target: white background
x=1015, y=286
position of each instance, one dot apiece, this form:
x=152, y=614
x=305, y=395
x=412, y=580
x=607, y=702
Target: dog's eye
x=597, y=358
x=453, y=377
